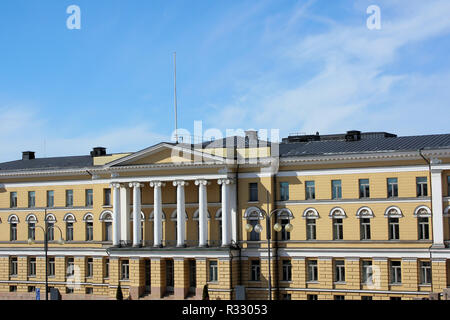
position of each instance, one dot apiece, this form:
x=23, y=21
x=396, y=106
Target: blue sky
x=296, y=66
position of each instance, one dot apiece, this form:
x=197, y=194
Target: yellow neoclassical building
x=360, y=215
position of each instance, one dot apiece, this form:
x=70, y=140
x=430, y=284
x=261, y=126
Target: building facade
x=352, y=216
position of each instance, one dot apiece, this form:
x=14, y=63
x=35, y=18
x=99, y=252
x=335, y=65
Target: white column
x=181, y=210
x=136, y=213
x=226, y=231
x=157, y=212
x=233, y=209
x=116, y=213
x=202, y=213
x=437, y=214
x=125, y=234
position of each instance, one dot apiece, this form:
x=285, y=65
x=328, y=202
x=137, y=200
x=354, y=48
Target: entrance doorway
x=169, y=276
x=192, y=276
x=147, y=276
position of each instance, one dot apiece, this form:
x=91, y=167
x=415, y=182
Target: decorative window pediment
x=364, y=212
x=310, y=213
x=254, y=213
x=337, y=213
x=422, y=211
x=393, y=212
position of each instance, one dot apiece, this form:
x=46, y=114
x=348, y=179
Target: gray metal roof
x=408, y=143
x=49, y=163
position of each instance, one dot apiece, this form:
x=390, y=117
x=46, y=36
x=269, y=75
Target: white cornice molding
x=361, y=157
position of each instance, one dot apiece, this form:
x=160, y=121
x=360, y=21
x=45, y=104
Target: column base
x=204, y=246
x=158, y=246
x=137, y=245
x=181, y=245
x=438, y=246
x=225, y=245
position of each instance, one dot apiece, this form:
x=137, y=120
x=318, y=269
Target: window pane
x=310, y=190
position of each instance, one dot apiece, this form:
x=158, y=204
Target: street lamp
x=60, y=241
x=277, y=227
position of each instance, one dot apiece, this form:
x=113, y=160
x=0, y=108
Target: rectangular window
x=448, y=186
x=69, y=198
x=13, y=231
x=107, y=197
x=310, y=190
x=366, y=272
x=32, y=267
x=425, y=272
x=254, y=236
x=31, y=199
x=13, y=199
x=396, y=272
x=310, y=229
x=106, y=270
x=69, y=231
x=339, y=297
x=392, y=187
x=284, y=191
x=339, y=271
x=287, y=270
x=364, y=188
x=89, y=267
x=253, y=191
x=13, y=266
x=89, y=198
x=336, y=189
x=255, y=272
x=125, y=270
x=12, y=288
x=89, y=231
x=89, y=290
x=338, y=230
x=422, y=186
x=366, y=297
x=213, y=276
x=51, y=267
x=365, y=228
x=50, y=198
x=312, y=270
x=70, y=267
x=424, y=228
x=394, y=229
x=311, y=297
x=108, y=231
x=31, y=231
x=31, y=289
x=69, y=290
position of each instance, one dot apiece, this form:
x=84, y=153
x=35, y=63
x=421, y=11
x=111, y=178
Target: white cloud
x=353, y=87
x=23, y=129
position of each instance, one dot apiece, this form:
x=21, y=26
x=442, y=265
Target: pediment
x=165, y=153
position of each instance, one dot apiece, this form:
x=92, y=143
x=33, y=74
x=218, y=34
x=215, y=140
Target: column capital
x=157, y=184
x=181, y=183
x=225, y=181
x=115, y=185
x=202, y=182
x=135, y=184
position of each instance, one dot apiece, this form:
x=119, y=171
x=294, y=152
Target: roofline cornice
x=361, y=157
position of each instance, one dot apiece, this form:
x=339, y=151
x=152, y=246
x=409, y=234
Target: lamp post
x=60, y=241
x=277, y=227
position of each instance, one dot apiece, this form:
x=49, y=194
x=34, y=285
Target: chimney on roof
x=28, y=155
x=353, y=135
x=98, y=151
x=251, y=135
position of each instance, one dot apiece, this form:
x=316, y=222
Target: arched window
x=106, y=219
x=364, y=212
x=393, y=214
x=152, y=215
x=13, y=220
x=69, y=218
x=284, y=216
x=310, y=213
x=423, y=214
x=218, y=218
x=31, y=220
x=338, y=214
x=51, y=220
x=253, y=215
x=89, y=226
